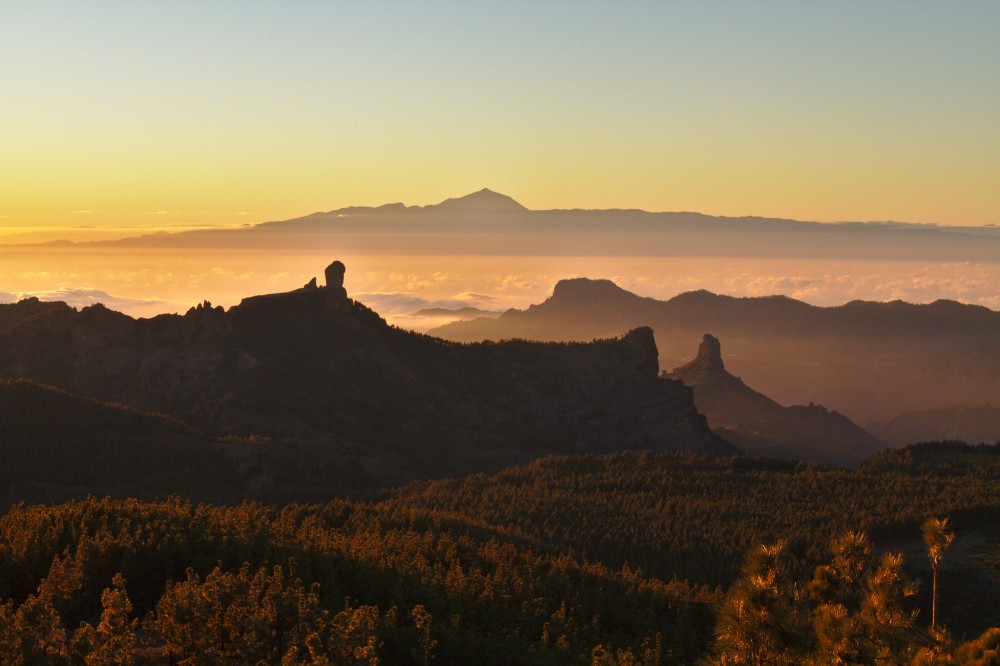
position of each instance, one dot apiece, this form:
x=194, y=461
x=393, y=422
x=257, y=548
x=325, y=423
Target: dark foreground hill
x=867, y=360
x=573, y=559
x=315, y=392
x=55, y=445
x=760, y=426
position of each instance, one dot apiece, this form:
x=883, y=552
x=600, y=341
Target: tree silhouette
x=938, y=539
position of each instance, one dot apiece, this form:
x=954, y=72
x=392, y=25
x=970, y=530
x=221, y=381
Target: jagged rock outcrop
x=335, y=278
x=761, y=426
x=336, y=393
x=707, y=367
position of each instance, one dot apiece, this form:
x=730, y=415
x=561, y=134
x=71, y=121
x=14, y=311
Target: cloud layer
x=148, y=283
x=81, y=297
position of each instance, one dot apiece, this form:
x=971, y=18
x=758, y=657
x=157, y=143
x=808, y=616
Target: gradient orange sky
x=184, y=112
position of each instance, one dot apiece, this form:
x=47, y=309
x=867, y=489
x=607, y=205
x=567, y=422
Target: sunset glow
x=655, y=332
x=193, y=113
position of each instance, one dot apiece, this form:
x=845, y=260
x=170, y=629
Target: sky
x=192, y=113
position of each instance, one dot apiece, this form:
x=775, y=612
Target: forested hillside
x=624, y=559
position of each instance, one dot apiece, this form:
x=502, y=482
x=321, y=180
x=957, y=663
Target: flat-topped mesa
x=577, y=292
x=335, y=279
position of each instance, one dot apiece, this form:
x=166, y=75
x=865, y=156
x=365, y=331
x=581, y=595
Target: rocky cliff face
x=328, y=390
x=761, y=426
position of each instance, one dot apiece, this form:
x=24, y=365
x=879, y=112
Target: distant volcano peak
x=485, y=200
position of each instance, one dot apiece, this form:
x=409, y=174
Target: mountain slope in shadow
x=970, y=423
x=56, y=445
x=760, y=426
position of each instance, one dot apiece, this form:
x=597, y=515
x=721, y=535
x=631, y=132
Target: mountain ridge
x=336, y=396
x=792, y=351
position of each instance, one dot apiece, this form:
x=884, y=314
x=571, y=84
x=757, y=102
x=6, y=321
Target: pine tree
x=938, y=539
x=838, y=590
x=113, y=641
x=116, y=632
x=759, y=623
x=38, y=637
x=422, y=621
x=889, y=627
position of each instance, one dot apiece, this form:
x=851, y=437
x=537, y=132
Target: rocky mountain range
x=867, y=360
x=760, y=426
x=312, y=392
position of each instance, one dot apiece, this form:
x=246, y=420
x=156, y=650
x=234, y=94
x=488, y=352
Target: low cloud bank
x=81, y=297
x=145, y=284
x=959, y=282
x=399, y=303
x=401, y=308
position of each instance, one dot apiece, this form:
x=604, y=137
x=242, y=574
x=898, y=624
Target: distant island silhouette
x=488, y=222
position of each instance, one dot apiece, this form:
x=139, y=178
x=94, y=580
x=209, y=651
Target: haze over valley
x=486, y=251
x=851, y=316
